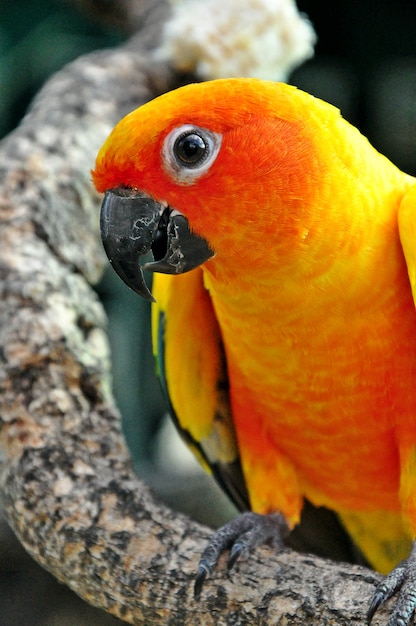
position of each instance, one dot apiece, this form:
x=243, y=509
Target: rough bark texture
x=67, y=485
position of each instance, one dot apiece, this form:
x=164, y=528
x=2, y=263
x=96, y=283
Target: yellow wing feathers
x=191, y=366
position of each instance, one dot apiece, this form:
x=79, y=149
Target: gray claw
x=241, y=535
x=401, y=580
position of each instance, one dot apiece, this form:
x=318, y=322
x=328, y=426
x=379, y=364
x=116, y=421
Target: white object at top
x=229, y=38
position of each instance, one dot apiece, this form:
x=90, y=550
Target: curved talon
x=378, y=599
x=202, y=573
x=235, y=553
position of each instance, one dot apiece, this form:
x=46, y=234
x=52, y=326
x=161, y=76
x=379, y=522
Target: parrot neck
x=334, y=261
x=332, y=249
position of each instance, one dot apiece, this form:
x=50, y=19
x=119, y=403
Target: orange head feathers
x=263, y=140
x=268, y=147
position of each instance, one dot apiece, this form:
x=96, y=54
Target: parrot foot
x=401, y=579
x=240, y=536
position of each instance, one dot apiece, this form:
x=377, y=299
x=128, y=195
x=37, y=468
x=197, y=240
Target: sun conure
x=289, y=351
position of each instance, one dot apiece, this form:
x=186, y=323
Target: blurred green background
x=365, y=63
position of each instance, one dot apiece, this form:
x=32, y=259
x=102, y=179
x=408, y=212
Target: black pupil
x=191, y=149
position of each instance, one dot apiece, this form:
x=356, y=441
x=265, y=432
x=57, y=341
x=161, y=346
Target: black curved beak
x=133, y=224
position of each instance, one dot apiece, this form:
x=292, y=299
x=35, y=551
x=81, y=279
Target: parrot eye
x=189, y=151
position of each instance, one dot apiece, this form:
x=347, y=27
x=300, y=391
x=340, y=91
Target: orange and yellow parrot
x=288, y=353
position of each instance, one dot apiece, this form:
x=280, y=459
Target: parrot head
x=209, y=171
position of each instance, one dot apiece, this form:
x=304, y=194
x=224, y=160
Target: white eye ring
x=189, y=151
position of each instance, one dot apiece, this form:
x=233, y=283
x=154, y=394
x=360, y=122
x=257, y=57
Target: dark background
x=365, y=63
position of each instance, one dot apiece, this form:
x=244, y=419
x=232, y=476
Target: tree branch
x=66, y=480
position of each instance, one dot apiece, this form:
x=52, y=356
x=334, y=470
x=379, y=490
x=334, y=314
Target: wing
x=407, y=230
x=191, y=366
